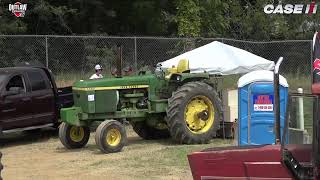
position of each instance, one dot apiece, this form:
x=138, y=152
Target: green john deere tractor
x=173, y=103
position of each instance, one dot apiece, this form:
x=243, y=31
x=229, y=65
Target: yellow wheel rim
x=199, y=114
x=113, y=137
x=76, y=133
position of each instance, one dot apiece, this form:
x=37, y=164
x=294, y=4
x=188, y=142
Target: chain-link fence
x=74, y=57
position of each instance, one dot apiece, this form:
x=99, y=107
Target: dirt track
x=42, y=156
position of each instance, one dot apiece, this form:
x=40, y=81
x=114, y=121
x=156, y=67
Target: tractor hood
x=90, y=96
x=142, y=81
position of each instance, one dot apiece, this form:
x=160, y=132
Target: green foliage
x=237, y=19
x=188, y=18
x=50, y=19
x=155, y=22
x=214, y=21
x=9, y=24
x=99, y=55
x=12, y=27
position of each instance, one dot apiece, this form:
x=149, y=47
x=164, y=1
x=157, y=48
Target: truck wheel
x=73, y=136
x=194, y=113
x=149, y=133
x=1, y=166
x=111, y=136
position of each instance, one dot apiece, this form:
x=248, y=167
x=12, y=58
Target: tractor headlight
x=178, y=78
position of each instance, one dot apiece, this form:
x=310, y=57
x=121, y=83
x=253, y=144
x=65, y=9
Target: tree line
x=238, y=19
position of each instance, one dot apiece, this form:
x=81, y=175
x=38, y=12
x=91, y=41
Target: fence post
x=135, y=54
x=47, y=58
x=311, y=57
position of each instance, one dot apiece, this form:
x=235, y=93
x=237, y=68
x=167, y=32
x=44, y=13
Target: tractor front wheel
x=194, y=113
x=73, y=137
x=111, y=136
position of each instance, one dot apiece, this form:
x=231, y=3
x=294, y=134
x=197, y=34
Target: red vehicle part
x=246, y=162
x=293, y=161
x=256, y=162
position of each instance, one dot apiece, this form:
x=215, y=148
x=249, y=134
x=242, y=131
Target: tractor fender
x=182, y=78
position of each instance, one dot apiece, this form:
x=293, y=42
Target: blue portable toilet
x=256, y=105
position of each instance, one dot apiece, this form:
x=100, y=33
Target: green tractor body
x=180, y=105
x=133, y=97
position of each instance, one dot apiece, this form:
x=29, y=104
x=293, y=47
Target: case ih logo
x=291, y=8
x=18, y=9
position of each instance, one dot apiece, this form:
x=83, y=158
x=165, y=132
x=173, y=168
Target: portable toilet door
x=256, y=107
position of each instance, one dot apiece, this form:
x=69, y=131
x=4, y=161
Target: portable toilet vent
x=256, y=106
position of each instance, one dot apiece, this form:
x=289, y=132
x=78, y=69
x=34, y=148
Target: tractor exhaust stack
x=277, y=101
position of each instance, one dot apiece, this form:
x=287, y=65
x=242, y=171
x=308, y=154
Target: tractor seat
x=183, y=67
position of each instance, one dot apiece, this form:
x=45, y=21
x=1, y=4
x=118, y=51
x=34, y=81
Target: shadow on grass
x=131, y=142
x=171, y=142
x=22, y=138
x=139, y=141
x=89, y=147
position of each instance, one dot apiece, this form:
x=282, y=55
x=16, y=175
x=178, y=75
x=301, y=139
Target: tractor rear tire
x=194, y=113
x=1, y=166
x=148, y=133
x=111, y=136
x=73, y=137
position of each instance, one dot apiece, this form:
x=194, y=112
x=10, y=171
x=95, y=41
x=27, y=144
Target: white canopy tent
x=221, y=59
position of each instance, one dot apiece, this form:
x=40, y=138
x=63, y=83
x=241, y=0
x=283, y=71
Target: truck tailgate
x=65, y=97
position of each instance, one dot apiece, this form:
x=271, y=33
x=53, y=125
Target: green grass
x=177, y=156
x=63, y=80
x=156, y=158
x=295, y=81
x=140, y=159
x=173, y=155
x=67, y=79
x=307, y=115
x=229, y=82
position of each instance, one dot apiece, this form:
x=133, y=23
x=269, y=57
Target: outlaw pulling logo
x=18, y=9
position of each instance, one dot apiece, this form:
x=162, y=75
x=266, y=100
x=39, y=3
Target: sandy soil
x=40, y=155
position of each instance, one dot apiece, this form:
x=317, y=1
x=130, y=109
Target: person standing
x=98, y=74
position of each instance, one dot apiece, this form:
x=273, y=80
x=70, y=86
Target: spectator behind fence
x=98, y=74
x=127, y=71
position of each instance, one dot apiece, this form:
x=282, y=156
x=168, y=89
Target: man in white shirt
x=98, y=74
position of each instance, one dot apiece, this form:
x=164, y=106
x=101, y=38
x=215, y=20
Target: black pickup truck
x=30, y=99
